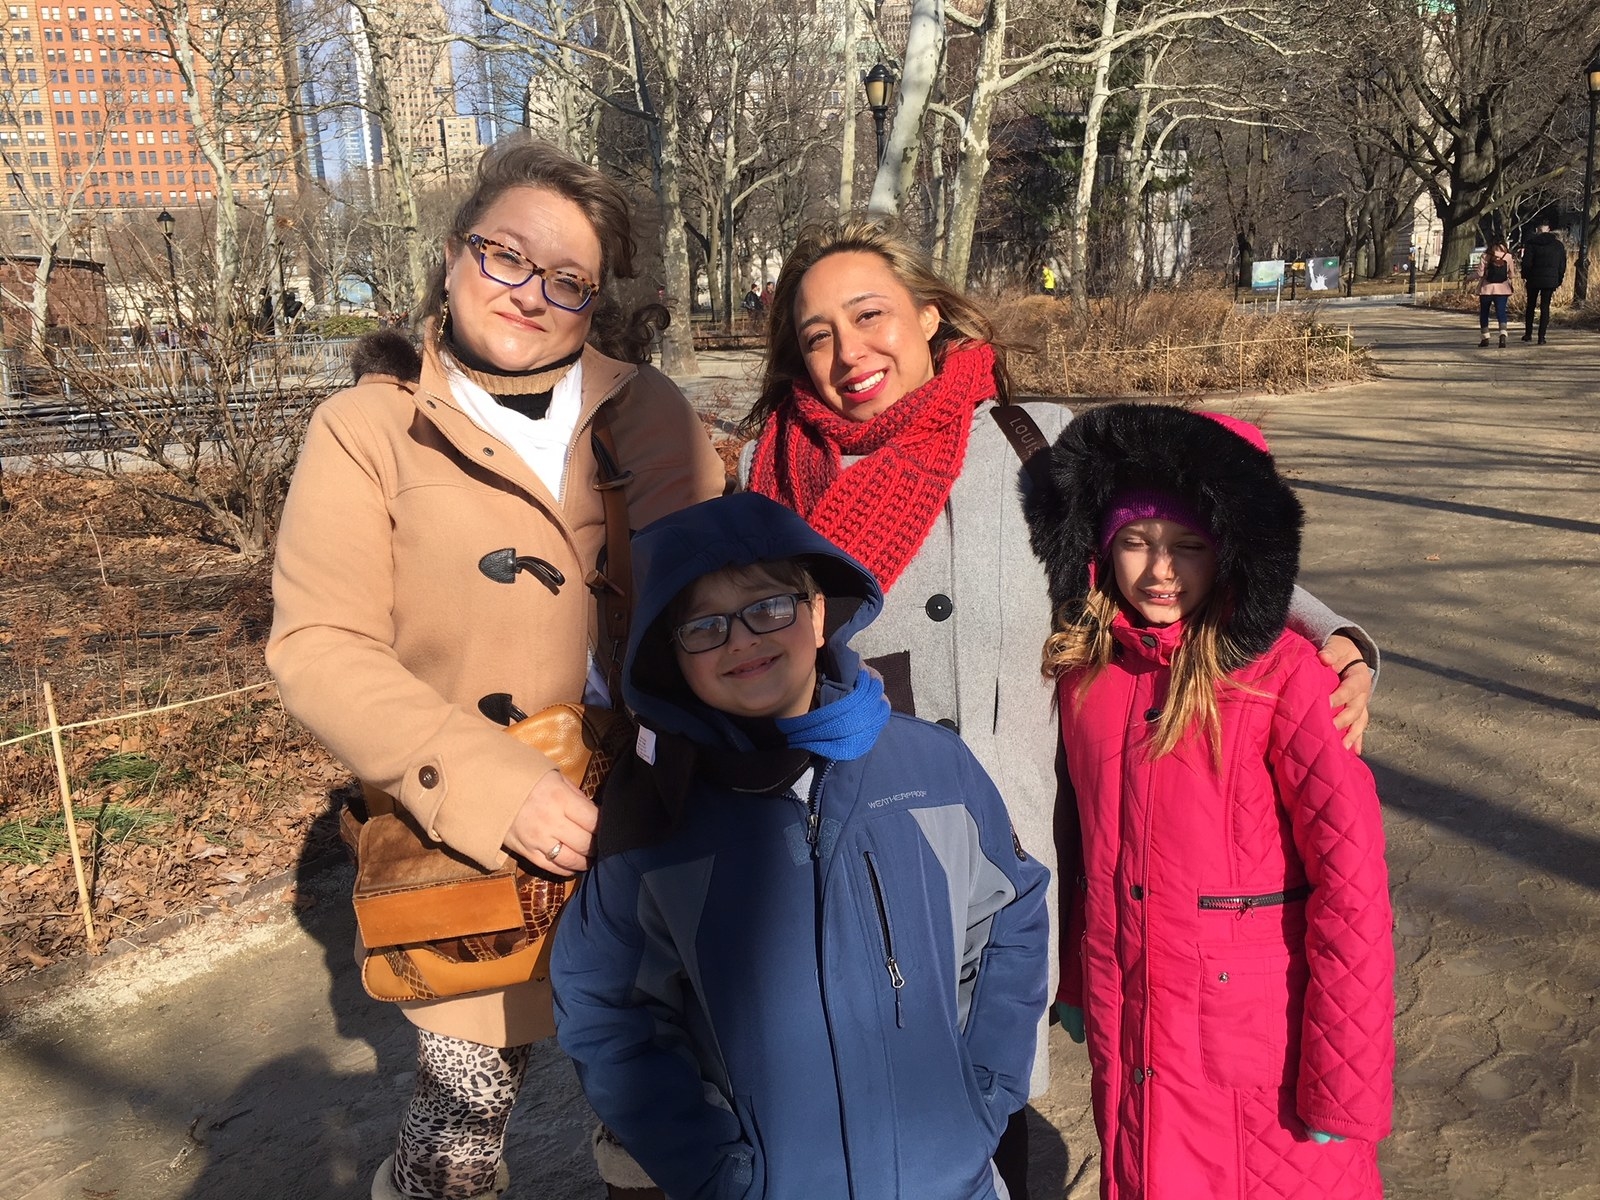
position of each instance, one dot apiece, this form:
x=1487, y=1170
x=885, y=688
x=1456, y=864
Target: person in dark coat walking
x=1544, y=266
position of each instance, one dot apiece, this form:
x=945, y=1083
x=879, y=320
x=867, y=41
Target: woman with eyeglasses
x=875, y=421
x=400, y=641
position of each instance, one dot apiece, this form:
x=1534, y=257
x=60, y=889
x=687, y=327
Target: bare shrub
x=1170, y=343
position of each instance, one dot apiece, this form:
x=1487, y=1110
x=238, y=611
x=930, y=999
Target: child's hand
x=1070, y=1018
x=1321, y=1138
x=555, y=817
x=1354, y=690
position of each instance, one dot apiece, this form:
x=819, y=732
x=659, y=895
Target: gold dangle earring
x=444, y=314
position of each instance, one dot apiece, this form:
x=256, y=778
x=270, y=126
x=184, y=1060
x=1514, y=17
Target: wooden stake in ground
x=71, y=819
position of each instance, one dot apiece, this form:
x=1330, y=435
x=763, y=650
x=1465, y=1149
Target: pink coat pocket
x=1252, y=1000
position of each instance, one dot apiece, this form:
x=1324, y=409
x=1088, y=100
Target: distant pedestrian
x=1048, y=278
x=752, y=301
x=1494, y=288
x=766, y=297
x=1544, y=266
x=1226, y=944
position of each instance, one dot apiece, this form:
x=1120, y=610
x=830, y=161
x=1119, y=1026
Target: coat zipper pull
x=813, y=827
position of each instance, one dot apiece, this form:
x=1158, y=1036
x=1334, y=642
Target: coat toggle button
x=428, y=777
x=939, y=607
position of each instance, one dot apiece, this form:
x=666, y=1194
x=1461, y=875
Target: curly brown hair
x=961, y=321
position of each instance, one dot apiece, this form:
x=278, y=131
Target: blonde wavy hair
x=1082, y=646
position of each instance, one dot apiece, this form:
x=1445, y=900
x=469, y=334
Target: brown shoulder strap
x=1026, y=438
x=613, y=587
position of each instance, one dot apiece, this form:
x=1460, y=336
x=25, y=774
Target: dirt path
x=1452, y=511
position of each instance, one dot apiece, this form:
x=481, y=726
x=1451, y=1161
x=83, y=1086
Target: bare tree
x=52, y=201
x=1474, y=92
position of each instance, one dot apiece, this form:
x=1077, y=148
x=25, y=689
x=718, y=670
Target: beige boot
x=383, y=1187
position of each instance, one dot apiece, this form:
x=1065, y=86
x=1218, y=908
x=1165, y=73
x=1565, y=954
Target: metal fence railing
x=288, y=364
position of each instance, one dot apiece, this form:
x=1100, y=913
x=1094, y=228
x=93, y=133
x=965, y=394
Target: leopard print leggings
x=451, y=1137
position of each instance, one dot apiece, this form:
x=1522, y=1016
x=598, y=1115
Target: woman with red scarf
x=874, y=424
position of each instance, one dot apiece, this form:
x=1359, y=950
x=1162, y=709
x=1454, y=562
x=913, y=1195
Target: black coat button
x=428, y=777
x=939, y=607
x=1152, y=714
x=1148, y=641
x=948, y=724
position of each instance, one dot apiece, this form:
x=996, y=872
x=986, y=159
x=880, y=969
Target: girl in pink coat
x=1226, y=942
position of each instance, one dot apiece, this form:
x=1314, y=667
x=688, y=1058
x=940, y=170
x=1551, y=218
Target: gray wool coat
x=962, y=633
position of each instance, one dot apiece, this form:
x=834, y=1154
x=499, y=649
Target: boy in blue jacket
x=810, y=958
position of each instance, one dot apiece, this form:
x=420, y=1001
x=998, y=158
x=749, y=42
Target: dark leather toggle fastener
x=501, y=709
x=1148, y=641
x=939, y=607
x=502, y=567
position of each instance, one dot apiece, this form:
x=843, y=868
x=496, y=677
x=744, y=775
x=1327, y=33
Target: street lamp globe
x=166, y=220
x=1593, y=72
x=879, y=84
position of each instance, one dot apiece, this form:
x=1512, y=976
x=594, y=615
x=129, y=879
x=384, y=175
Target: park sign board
x=1322, y=274
x=1266, y=276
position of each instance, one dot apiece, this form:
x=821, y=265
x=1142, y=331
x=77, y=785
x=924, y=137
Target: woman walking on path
x=388, y=638
x=1227, y=929
x=875, y=425
x=1495, y=271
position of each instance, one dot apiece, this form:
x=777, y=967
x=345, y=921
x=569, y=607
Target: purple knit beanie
x=1148, y=505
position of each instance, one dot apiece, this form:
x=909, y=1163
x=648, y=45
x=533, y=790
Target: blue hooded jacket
x=825, y=987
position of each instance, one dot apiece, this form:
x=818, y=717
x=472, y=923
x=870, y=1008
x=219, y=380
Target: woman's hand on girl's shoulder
x=1354, y=691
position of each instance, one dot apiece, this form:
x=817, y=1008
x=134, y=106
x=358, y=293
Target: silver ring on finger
x=554, y=852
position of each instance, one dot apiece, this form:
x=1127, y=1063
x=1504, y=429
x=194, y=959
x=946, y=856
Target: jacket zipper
x=1243, y=904
x=896, y=979
x=1144, y=1072
x=566, y=460
x=814, y=813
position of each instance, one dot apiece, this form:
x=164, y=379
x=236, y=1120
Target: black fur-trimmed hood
x=1253, y=515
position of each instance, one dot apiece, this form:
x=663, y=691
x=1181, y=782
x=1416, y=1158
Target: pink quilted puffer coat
x=1229, y=938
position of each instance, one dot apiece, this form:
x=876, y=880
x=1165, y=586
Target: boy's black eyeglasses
x=763, y=616
x=564, y=289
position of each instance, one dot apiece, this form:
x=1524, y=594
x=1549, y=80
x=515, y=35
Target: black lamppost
x=1580, y=277
x=166, y=220
x=879, y=84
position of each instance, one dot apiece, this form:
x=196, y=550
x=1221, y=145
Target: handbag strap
x=613, y=586
x=1026, y=438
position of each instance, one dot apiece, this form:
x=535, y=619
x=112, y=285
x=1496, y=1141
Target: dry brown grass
x=113, y=600
x=1171, y=343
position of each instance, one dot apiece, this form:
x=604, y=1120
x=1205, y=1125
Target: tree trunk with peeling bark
x=924, y=56
x=1099, y=93
x=972, y=162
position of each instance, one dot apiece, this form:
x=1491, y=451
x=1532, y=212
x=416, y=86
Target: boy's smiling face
x=753, y=674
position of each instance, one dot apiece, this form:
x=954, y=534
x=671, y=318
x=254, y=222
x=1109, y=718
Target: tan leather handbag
x=437, y=924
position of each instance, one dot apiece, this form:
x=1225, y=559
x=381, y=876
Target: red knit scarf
x=883, y=507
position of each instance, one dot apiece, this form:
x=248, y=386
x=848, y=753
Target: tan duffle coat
x=386, y=633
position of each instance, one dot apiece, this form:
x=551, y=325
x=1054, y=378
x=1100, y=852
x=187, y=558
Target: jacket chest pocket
x=878, y=900
x=1252, y=1000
